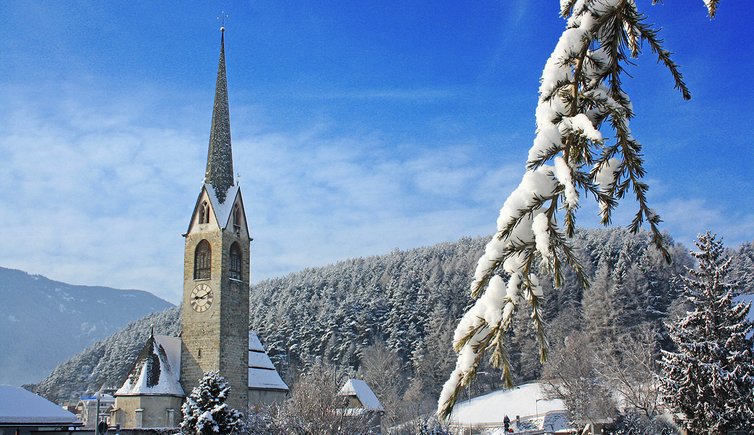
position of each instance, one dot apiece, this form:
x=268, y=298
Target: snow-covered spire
x=220, y=155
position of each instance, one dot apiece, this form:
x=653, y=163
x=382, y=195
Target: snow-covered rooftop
x=223, y=209
x=24, y=408
x=262, y=373
x=527, y=401
x=157, y=369
x=360, y=389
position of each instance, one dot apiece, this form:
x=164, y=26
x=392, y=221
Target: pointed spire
x=220, y=156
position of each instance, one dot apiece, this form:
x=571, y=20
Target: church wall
x=259, y=398
x=217, y=339
x=200, y=331
x=154, y=411
x=234, y=338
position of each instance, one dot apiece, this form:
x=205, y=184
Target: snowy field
x=526, y=401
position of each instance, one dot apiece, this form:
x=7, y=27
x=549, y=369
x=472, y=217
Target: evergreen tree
x=205, y=411
x=581, y=93
x=709, y=379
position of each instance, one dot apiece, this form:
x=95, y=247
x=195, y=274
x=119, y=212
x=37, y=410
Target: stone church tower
x=215, y=312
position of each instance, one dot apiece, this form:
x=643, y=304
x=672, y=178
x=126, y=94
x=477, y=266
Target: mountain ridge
x=45, y=322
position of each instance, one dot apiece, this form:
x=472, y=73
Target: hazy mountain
x=44, y=322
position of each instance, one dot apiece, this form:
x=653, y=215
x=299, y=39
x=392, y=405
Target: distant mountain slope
x=106, y=362
x=44, y=322
x=412, y=300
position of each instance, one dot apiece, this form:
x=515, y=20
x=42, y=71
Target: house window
x=204, y=213
x=235, y=261
x=203, y=261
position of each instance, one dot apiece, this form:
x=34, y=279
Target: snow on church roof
x=262, y=373
x=222, y=209
x=360, y=389
x=157, y=369
x=20, y=407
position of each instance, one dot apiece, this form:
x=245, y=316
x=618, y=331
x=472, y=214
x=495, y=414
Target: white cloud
x=97, y=193
x=98, y=188
x=685, y=218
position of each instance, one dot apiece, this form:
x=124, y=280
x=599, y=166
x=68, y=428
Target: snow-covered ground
x=526, y=401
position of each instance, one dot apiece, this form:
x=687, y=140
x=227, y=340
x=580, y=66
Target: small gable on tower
x=210, y=214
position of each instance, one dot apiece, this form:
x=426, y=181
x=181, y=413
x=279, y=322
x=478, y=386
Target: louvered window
x=203, y=261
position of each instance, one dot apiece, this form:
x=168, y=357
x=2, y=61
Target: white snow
x=527, y=401
x=262, y=373
x=224, y=209
x=172, y=346
x=746, y=299
x=254, y=343
x=605, y=176
x=265, y=379
x=19, y=406
x=260, y=360
x=137, y=384
x=360, y=389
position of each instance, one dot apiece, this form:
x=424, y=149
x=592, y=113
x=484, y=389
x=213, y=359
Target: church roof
x=219, y=173
x=222, y=210
x=360, y=389
x=157, y=369
x=262, y=373
x=19, y=407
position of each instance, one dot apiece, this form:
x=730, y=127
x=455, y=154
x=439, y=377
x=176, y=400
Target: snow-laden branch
x=580, y=95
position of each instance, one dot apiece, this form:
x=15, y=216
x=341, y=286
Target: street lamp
x=98, y=396
x=536, y=410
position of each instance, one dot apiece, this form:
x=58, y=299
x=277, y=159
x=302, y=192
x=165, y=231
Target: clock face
x=201, y=298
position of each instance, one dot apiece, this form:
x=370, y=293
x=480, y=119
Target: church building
x=215, y=310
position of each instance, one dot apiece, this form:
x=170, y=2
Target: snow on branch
x=580, y=99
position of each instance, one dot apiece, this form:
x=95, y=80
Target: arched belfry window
x=204, y=213
x=235, y=261
x=203, y=261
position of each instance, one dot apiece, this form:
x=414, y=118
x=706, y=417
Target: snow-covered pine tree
x=710, y=377
x=205, y=411
x=581, y=92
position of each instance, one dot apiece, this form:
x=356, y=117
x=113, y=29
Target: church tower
x=215, y=311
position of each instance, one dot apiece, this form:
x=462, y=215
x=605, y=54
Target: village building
x=94, y=408
x=215, y=310
x=23, y=413
x=360, y=401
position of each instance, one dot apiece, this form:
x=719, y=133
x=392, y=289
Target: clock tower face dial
x=201, y=298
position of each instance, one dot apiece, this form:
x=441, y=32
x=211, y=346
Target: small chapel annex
x=215, y=308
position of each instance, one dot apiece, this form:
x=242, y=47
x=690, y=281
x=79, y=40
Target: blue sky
x=358, y=127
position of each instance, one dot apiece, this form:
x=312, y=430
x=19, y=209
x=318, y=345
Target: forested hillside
x=411, y=300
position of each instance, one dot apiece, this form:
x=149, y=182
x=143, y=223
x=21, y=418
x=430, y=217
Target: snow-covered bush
x=205, y=411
